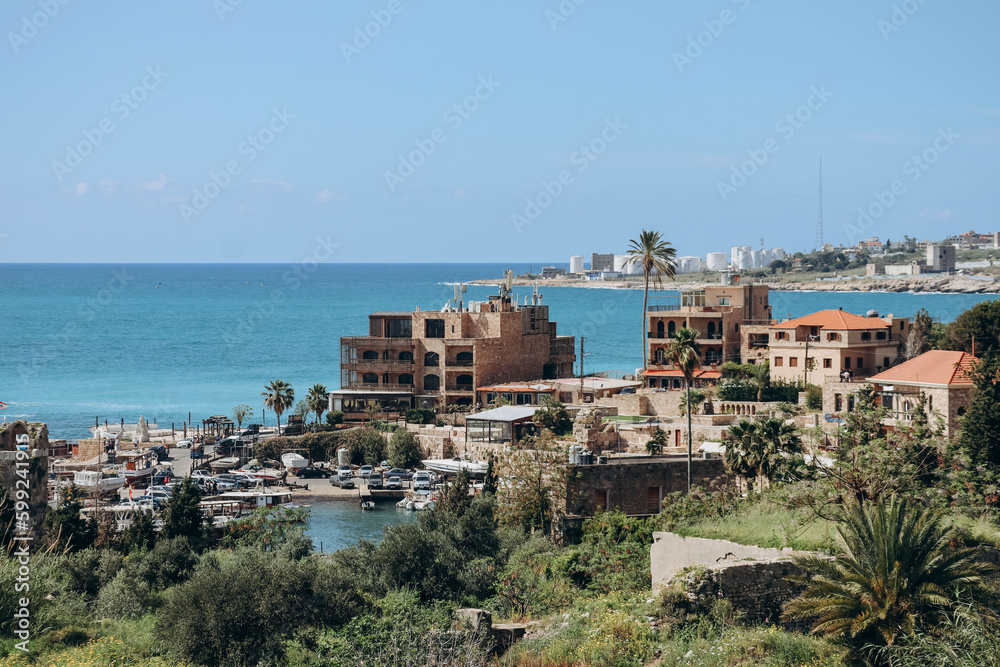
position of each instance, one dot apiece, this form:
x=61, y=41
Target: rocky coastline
x=939, y=284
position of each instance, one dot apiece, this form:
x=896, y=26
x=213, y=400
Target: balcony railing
x=370, y=365
x=461, y=387
x=702, y=337
x=375, y=342
x=376, y=386
x=460, y=362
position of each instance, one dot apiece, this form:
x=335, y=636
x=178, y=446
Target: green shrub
x=419, y=416
x=334, y=418
x=404, y=451
x=814, y=397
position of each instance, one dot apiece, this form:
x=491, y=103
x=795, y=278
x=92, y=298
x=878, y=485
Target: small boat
x=224, y=464
x=367, y=504
x=91, y=481
x=454, y=466
x=294, y=461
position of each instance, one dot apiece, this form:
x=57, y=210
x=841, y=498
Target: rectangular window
x=653, y=499
x=723, y=300
x=838, y=403
x=828, y=363
x=847, y=363
x=793, y=361
x=601, y=498
x=880, y=335
x=866, y=335
x=861, y=362
x=885, y=362
x=779, y=361
x=434, y=328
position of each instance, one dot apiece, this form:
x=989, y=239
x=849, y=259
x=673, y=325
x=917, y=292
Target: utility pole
x=805, y=363
x=581, y=368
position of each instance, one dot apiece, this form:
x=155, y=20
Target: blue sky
x=578, y=125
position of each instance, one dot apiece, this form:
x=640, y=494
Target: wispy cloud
x=153, y=186
x=328, y=196
x=271, y=185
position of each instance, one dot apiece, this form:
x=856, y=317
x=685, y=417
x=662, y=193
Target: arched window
x=671, y=327
x=432, y=382
x=659, y=329
x=464, y=400
x=369, y=378
x=431, y=359
x=405, y=378
x=406, y=355
x=464, y=382
x=659, y=357
x=369, y=354
x=711, y=329
x=464, y=358
x=961, y=411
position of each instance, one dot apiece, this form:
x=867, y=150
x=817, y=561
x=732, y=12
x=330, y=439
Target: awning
x=674, y=373
x=505, y=413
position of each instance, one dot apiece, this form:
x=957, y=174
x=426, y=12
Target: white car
x=345, y=471
x=185, y=443
x=422, y=481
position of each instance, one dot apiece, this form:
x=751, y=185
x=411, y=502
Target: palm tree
x=317, y=399
x=776, y=438
x=656, y=257
x=740, y=452
x=684, y=351
x=278, y=396
x=761, y=375
x=896, y=575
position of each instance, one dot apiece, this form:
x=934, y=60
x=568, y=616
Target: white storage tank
x=343, y=457
x=744, y=261
x=717, y=261
x=576, y=264
x=778, y=253
x=756, y=259
x=623, y=263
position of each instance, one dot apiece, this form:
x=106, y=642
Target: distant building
x=599, y=262
x=552, y=272
x=834, y=342
x=717, y=313
x=425, y=358
x=940, y=258
x=940, y=375
x=576, y=264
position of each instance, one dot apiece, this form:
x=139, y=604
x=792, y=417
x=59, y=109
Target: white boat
x=93, y=481
x=294, y=460
x=224, y=464
x=258, y=498
x=367, y=504
x=454, y=466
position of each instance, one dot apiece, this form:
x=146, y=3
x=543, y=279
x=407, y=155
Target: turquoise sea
x=116, y=341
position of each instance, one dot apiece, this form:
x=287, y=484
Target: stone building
x=602, y=262
x=820, y=347
x=24, y=467
x=940, y=375
x=718, y=313
x=426, y=358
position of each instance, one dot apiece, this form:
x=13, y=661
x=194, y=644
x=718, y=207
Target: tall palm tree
x=761, y=375
x=896, y=575
x=656, y=257
x=741, y=451
x=318, y=400
x=278, y=396
x=776, y=438
x=684, y=351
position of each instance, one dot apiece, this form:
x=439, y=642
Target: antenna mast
x=819, y=219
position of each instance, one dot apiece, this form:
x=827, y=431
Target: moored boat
x=294, y=460
x=454, y=466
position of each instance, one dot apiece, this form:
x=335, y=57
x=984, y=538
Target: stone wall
x=671, y=553
x=27, y=470
x=636, y=485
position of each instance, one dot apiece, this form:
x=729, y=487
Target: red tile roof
x=938, y=367
x=835, y=320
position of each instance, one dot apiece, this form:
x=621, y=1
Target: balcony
x=376, y=342
x=466, y=387
x=377, y=386
x=461, y=363
x=377, y=365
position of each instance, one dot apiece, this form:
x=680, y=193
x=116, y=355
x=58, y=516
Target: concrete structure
x=636, y=485
x=599, y=262
x=717, y=312
x=940, y=375
x=835, y=341
x=576, y=264
x=24, y=469
x=940, y=258
x=671, y=553
x=552, y=272
x=428, y=358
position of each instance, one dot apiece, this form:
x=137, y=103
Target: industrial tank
x=623, y=263
x=576, y=264
x=717, y=261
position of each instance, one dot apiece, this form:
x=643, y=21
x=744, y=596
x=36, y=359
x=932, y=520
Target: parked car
x=399, y=472
x=422, y=481
x=394, y=483
x=160, y=451
x=365, y=471
x=375, y=481
x=343, y=482
x=185, y=443
x=345, y=471
x=240, y=480
x=627, y=390
x=201, y=473
x=309, y=473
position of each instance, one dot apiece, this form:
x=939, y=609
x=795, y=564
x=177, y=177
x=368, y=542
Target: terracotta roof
x=675, y=373
x=937, y=367
x=835, y=320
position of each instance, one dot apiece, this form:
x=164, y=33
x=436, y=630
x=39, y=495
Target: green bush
x=404, y=451
x=814, y=397
x=334, y=418
x=420, y=416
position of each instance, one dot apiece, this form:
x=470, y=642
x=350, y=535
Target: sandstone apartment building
x=424, y=359
x=720, y=313
x=833, y=344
